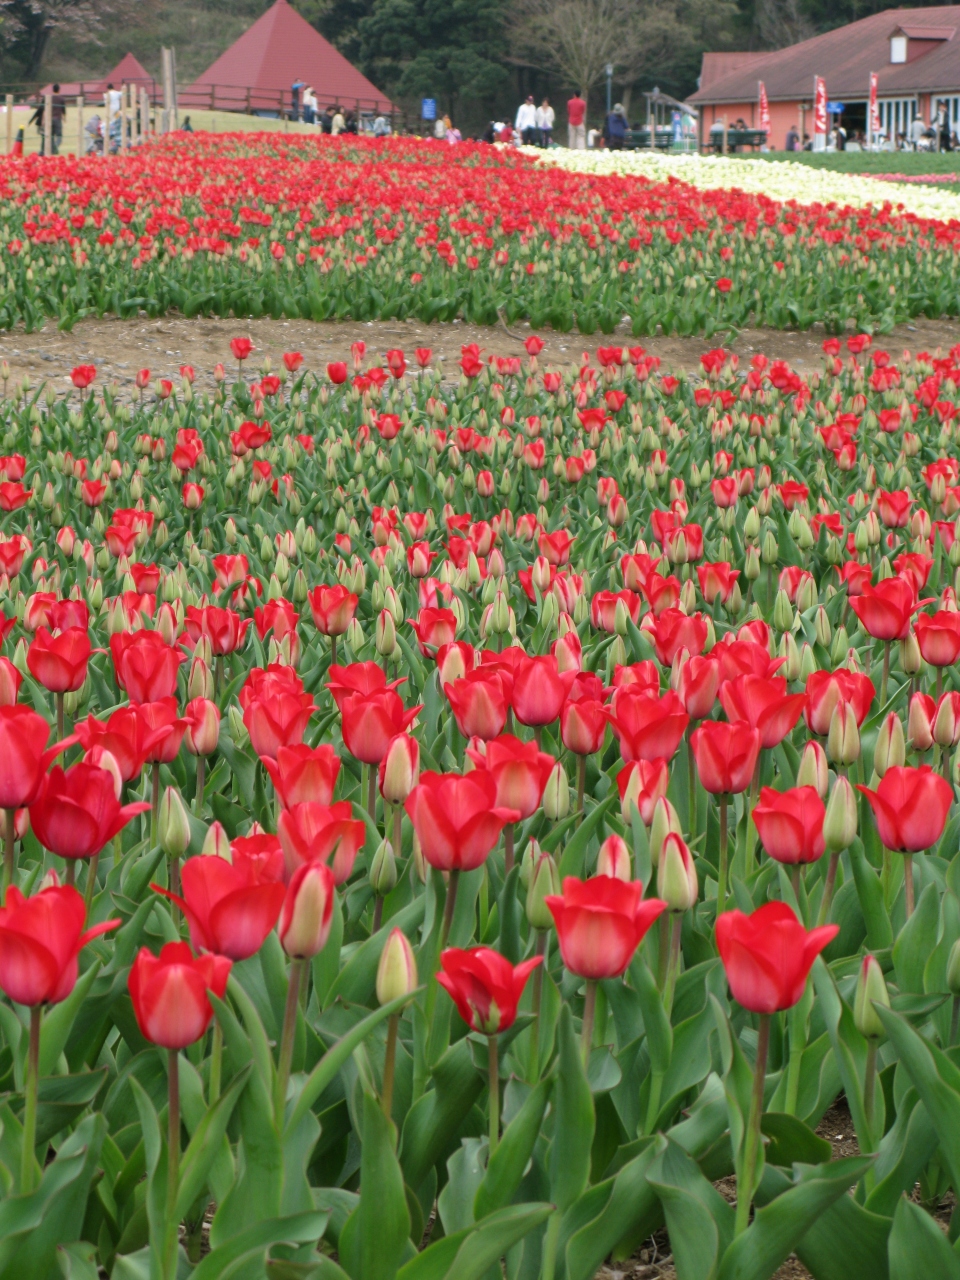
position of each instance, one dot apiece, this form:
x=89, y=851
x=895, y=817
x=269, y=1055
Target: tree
x=27, y=26
x=577, y=38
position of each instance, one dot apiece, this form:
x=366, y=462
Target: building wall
x=782, y=116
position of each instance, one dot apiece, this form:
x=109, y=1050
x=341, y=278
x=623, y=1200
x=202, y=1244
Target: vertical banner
x=873, y=115
x=819, y=113
x=764, y=110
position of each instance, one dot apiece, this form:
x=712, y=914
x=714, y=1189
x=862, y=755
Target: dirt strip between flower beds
x=120, y=347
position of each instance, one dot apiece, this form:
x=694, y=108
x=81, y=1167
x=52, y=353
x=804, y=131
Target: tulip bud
x=200, y=682
x=397, y=970
x=419, y=861
x=782, y=611
x=840, y=821
x=173, y=824
x=910, y=659
x=383, y=869
x=665, y=819
x=621, y=619
x=530, y=855
x=355, y=635
x=544, y=881
x=238, y=730
x=871, y=989
x=216, y=843
x=676, y=875
x=919, y=726
x=890, y=748
x=770, y=549
x=614, y=859
x=822, y=627
x=808, y=662
x=751, y=525
x=751, y=565
x=307, y=911
x=946, y=724
x=101, y=758
x=789, y=651
x=386, y=640
x=556, y=794
x=843, y=736
x=400, y=768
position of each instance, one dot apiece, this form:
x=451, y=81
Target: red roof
x=845, y=58
x=129, y=70
x=278, y=49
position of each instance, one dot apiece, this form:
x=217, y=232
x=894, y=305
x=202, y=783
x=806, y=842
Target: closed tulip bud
x=383, y=869
x=355, y=635
x=530, y=855
x=782, y=611
x=920, y=722
x=614, y=859
x=386, y=633
x=751, y=525
x=399, y=769
x=840, y=822
x=910, y=659
x=946, y=724
x=807, y=595
x=808, y=662
x=499, y=621
x=840, y=646
x=814, y=771
x=891, y=748
x=770, y=548
x=953, y=969
x=871, y=990
x=238, y=731
x=544, y=882
x=419, y=861
x=556, y=794
x=216, y=843
x=621, y=619
x=665, y=819
x=307, y=912
x=751, y=564
x=173, y=824
x=843, y=736
x=791, y=654
x=200, y=682
x=676, y=875
x=822, y=627
x=397, y=970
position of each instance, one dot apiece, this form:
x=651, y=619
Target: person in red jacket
x=576, y=129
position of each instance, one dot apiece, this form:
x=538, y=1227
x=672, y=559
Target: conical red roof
x=278, y=49
x=129, y=70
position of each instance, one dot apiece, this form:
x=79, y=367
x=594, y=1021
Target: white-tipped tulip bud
x=173, y=824
x=871, y=990
x=840, y=821
x=397, y=970
x=814, y=771
x=556, y=794
x=665, y=820
x=307, y=911
x=216, y=843
x=614, y=859
x=891, y=747
x=843, y=736
x=676, y=875
x=383, y=869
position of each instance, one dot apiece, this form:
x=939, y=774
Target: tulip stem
x=538, y=736
x=28, y=1155
x=216, y=1062
x=9, y=844
x=581, y=785
x=389, y=1062
x=372, y=793
x=751, y=1140
x=60, y=720
x=663, y=950
x=201, y=770
x=869, y=1089
x=173, y=1162
x=71, y=873
x=155, y=802
x=673, y=964
x=908, y=882
x=91, y=881
x=507, y=848
x=448, y=909
x=886, y=673
x=493, y=1088
x=692, y=781
x=377, y=914
x=543, y=941
x=722, y=872
x=586, y=1031
x=397, y=832
x=286, y=1040
x=828, y=888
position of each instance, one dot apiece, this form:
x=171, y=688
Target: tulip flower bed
x=447, y=828
x=271, y=225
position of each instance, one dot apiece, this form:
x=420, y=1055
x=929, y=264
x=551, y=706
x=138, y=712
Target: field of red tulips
x=270, y=225
x=449, y=827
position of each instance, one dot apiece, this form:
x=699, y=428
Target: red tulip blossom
x=24, y=755
x=893, y=508
x=642, y=783
x=169, y=993
x=163, y=714
x=59, y=662
x=910, y=807
x=519, y=769
x=485, y=986
x=358, y=677
x=938, y=635
x=886, y=609
x=13, y=496
x=126, y=735
x=371, y=720
x=241, y=349
x=40, y=939
x=314, y=832
x=434, y=628
x=726, y=755
x=763, y=702
x=222, y=627
x=201, y=719
x=276, y=709
x=456, y=818
x=478, y=703
x=826, y=688
x=333, y=609
x=648, y=727
x=539, y=689
x=77, y=811
x=790, y=824
x=301, y=773
x=82, y=375
x=603, y=608
x=600, y=923
x=698, y=685
x=583, y=725
x=744, y=657
x=717, y=580
x=145, y=666
x=767, y=955
x=675, y=630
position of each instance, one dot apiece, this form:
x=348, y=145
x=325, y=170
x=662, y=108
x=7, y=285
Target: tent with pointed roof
x=257, y=71
x=129, y=70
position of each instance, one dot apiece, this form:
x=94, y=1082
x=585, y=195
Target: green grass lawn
x=909, y=163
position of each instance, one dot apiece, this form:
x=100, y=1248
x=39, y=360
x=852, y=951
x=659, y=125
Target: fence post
x=9, y=124
x=123, y=117
x=80, y=126
x=48, y=122
x=144, y=114
x=106, y=122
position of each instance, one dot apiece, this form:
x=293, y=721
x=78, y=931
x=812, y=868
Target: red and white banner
x=819, y=106
x=874, y=118
x=764, y=110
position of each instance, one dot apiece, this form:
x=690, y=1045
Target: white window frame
x=898, y=49
x=896, y=116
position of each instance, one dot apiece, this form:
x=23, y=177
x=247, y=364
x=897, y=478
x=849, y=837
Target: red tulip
x=485, y=986
x=642, y=783
x=337, y=372
x=230, y=570
x=193, y=495
x=600, y=923
x=826, y=688
x=13, y=496
x=370, y=721
x=675, y=630
x=202, y=721
x=145, y=666
x=40, y=939
x=520, y=770
x=301, y=773
x=307, y=911
x=358, y=677
x=240, y=348
x=59, y=661
x=726, y=755
x=539, y=689
x=603, y=608
x=938, y=636
x=77, y=811
x=556, y=547
x=744, y=657
x=893, y=508
x=763, y=702
x=163, y=714
x=583, y=725
x=434, y=628
x=229, y=906
x=717, y=580
x=698, y=685
x=125, y=735
x=10, y=682
x=790, y=824
x=478, y=703
x=886, y=609
x=276, y=709
x=311, y=832
x=332, y=608
x=24, y=755
x=169, y=993
x=456, y=818
x=768, y=954
x=399, y=769
x=648, y=727
x=222, y=627
x=292, y=360
x=83, y=375
x=910, y=807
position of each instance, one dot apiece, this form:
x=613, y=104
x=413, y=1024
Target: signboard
x=819, y=113
x=835, y=108
x=873, y=117
x=764, y=110
x=428, y=109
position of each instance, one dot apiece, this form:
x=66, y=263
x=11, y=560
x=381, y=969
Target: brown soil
x=120, y=347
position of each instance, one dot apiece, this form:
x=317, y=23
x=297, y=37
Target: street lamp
x=608, y=69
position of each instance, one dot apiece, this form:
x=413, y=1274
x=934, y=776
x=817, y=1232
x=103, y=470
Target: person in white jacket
x=545, y=120
x=526, y=122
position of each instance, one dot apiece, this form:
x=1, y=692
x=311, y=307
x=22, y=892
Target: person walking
x=615, y=128
x=326, y=120
x=576, y=129
x=295, y=88
x=309, y=106
x=338, y=123
x=526, y=122
x=37, y=119
x=58, y=109
x=545, y=119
